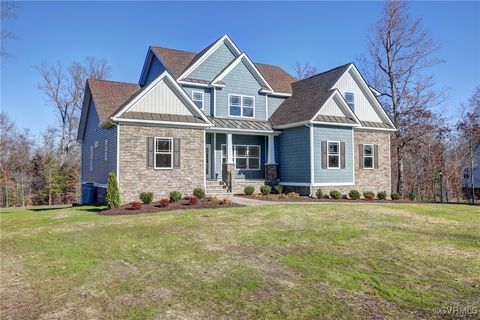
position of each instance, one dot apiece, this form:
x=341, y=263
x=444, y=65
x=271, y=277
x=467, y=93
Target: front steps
x=216, y=188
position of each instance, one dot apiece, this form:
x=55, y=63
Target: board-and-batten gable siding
x=161, y=99
x=331, y=108
x=242, y=82
x=214, y=64
x=330, y=133
x=101, y=168
x=207, y=100
x=294, y=155
x=273, y=104
x=240, y=140
x=155, y=69
x=363, y=105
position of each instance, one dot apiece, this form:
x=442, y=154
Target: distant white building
x=467, y=174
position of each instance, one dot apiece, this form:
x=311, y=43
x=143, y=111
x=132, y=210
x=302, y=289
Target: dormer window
x=241, y=106
x=197, y=97
x=350, y=98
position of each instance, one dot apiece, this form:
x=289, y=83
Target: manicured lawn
x=271, y=262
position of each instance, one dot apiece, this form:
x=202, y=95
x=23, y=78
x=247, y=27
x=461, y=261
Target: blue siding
x=155, y=69
x=329, y=133
x=207, y=101
x=241, y=140
x=240, y=81
x=294, y=155
x=215, y=63
x=101, y=168
x=273, y=104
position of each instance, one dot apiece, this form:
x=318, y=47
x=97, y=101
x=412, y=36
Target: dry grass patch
x=285, y=261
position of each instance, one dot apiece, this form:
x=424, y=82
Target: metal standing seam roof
x=240, y=124
x=161, y=117
x=375, y=124
x=334, y=119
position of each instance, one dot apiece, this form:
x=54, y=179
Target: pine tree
x=113, y=193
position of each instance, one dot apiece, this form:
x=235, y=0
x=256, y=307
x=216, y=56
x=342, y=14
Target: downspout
x=312, y=157
x=117, y=165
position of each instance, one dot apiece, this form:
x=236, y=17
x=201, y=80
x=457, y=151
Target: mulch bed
x=157, y=207
x=276, y=198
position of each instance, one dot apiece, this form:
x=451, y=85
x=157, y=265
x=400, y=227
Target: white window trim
x=105, y=151
x=247, y=146
x=203, y=98
x=155, y=152
x=345, y=96
x=91, y=158
x=371, y=156
x=241, y=106
x=339, y=155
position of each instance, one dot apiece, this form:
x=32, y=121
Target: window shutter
x=342, y=155
x=360, y=155
x=375, y=156
x=324, y=154
x=150, y=152
x=176, y=153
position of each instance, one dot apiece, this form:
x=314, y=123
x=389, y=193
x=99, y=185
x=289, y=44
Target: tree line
x=428, y=150
x=46, y=169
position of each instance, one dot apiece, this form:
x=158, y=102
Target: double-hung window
x=91, y=158
x=368, y=151
x=333, y=155
x=350, y=98
x=163, y=153
x=241, y=106
x=244, y=157
x=197, y=97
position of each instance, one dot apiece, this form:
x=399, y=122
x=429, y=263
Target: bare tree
x=401, y=52
x=469, y=129
x=304, y=70
x=15, y=166
x=6, y=13
x=63, y=88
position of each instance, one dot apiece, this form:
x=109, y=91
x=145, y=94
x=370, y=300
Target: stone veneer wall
x=240, y=184
x=134, y=175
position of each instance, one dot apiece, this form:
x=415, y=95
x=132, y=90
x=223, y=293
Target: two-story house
x=218, y=120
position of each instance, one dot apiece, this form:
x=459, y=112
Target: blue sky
x=326, y=34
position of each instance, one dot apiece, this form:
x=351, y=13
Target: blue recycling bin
x=88, y=193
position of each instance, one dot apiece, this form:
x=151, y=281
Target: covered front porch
x=238, y=158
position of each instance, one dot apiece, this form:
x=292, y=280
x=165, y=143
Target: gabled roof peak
x=343, y=67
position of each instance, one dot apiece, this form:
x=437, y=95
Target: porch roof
x=241, y=124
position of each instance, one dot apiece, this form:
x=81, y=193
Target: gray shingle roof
x=109, y=95
x=240, y=124
x=308, y=97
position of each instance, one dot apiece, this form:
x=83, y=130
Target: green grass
x=271, y=262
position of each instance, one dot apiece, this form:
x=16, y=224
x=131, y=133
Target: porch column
x=271, y=149
x=229, y=149
x=228, y=168
x=271, y=168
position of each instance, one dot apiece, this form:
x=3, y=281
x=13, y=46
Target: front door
x=208, y=161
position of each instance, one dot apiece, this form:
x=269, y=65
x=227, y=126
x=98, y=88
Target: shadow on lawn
x=96, y=208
